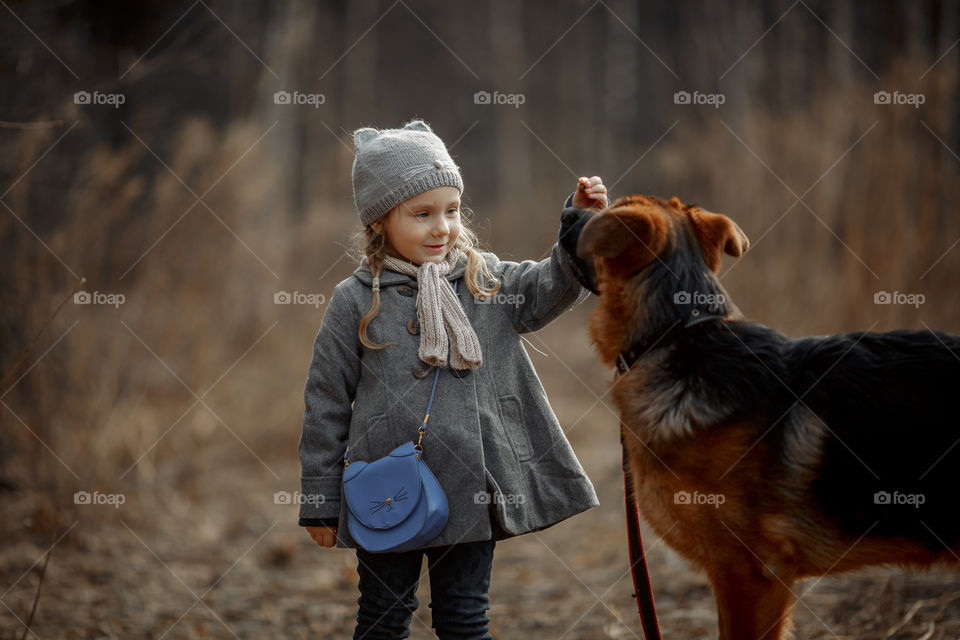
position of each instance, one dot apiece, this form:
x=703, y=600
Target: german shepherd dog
x=763, y=459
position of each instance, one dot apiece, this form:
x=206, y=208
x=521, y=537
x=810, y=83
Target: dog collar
x=626, y=359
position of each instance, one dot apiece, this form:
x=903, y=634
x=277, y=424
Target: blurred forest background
x=150, y=148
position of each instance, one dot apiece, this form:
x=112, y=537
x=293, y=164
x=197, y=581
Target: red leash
x=638, y=561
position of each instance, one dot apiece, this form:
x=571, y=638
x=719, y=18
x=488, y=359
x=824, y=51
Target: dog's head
x=645, y=251
x=636, y=230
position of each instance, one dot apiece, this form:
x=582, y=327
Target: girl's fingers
x=593, y=188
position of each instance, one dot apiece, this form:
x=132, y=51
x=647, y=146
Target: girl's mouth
x=436, y=248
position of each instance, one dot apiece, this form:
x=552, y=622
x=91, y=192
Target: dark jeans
x=459, y=582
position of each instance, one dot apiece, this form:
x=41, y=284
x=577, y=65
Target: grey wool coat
x=492, y=440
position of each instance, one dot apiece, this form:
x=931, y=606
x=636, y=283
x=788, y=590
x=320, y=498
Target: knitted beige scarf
x=439, y=312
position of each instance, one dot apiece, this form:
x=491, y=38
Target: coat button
x=419, y=371
x=405, y=290
x=460, y=373
x=413, y=327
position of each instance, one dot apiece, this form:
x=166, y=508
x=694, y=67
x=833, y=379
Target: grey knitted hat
x=393, y=165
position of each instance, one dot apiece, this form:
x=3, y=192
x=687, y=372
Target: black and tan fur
x=798, y=435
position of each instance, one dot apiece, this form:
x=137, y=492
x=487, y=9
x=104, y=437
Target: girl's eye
x=421, y=213
x=453, y=211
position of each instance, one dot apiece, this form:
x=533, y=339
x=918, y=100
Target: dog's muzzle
x=571, y=224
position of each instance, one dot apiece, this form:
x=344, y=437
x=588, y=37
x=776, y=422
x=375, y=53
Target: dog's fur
x=800, y=437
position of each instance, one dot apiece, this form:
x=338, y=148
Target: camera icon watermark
x=513, y=99
x=513, y=299
x=912, y=99
x=713, y=300
x=896, y=498
x=97, y=297
x=96, y=98
x=697, y=498
x=285, y=497
x=112, y=499
x=312, y=99
x=485, y=497
x=297, y=297
x=912, y=299
x=712, y=99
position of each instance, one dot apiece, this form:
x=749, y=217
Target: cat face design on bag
x=399, y=496
x=405, y=519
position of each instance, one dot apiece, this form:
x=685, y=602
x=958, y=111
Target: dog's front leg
x=749, y=605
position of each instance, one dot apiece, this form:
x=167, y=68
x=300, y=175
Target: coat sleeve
x=542, y=290
x=329, y=391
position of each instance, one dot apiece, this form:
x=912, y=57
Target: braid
x=375, y=250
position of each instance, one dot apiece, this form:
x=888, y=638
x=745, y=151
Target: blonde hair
x=371, y=244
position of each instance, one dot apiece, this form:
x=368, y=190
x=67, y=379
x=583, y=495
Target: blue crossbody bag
x=395, y=503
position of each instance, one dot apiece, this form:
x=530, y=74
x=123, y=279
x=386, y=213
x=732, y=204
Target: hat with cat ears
x=394, y=165
x=365, y=134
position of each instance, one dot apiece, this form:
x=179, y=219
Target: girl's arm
x=536, y=293
x=543, y=290
x=328, y=394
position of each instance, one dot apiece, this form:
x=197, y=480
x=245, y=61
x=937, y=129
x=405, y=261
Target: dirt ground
x=228, y=562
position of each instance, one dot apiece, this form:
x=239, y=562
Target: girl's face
x=423, y=228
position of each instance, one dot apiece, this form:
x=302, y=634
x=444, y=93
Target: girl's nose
x=442, y=227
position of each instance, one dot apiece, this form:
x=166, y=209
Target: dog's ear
x=717, y=234
x=609, y=234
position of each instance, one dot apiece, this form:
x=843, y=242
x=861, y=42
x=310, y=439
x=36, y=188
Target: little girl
x=493, y=442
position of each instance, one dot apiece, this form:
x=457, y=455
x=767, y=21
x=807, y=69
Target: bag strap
x=422, y=429
x=423, y=425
